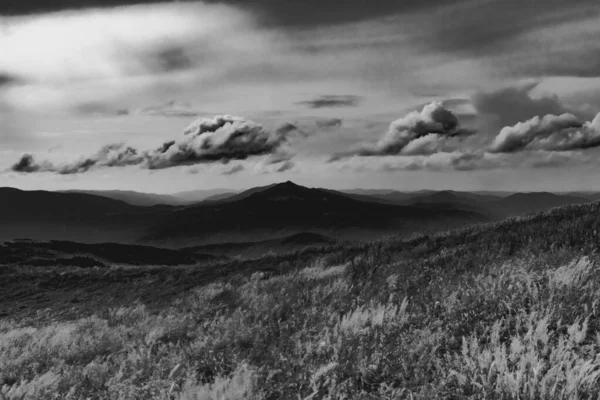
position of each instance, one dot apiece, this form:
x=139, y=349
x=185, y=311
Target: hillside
x=283, y=245
x=494, y=311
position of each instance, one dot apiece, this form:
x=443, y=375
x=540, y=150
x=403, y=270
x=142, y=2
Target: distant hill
x=368, y=192
x=195, y=196
x=235, y=196
x=134, y=198
x=285, y=209
x=396, y=197
x=151, y=199
x=220, y=197
x=260, y=214
x=523, y=203
x=497, y=205
x=80, y=217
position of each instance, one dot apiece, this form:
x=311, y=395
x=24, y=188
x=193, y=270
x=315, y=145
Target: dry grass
x=469, y=315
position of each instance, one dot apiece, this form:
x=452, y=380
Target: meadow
x=508, y=310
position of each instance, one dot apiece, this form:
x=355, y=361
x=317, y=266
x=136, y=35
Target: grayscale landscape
x=231, y=200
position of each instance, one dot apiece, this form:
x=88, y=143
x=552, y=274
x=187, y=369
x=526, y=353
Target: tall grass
x=373, y=327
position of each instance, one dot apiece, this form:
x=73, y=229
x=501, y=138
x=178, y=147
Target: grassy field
x=509, y=310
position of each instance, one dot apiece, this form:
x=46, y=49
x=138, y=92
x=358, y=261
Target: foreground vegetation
x=502, y=311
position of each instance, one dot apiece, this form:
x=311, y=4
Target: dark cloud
x=8, y=79
x=171, y=59
x=309, y=13
x=17, y=7
x=330, y=101
x=286, y=166
x=26, y=164
x=288, y=128
x=234, y=170
x=416, y=133
x=465, y=27
x=270, y=12
x=563, y=132
x=329, y=123
x=510, y=105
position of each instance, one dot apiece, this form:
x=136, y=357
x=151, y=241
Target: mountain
x=523, y=203
x=233, y=196
x=368, y=192
x=493, y=193
x=195, y=196
x=496, y=205
x=134, y=198
x=220, y=197
x=591, y=195
x=285, y=209
x=259, y=214
x=396, y=197
x=81, y=217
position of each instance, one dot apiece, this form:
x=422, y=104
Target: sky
x=170, y=96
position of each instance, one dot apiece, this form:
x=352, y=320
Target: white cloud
x=418, y=132
x=61, y=56
x=552, y=133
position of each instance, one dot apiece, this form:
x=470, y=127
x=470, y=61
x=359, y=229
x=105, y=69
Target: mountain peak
x=283, y=191
x=288, y=184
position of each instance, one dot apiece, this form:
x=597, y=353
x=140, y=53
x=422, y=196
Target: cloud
x=27, y=164
x=328, y=123
x=172, y=108
x=287, y=128
x=309, y=126
x=457, y=160
x=552, y=133
x=512, y=104
x=286, y=166
x=330, y=101
x=105, y=53
x=206, y=140
x=416, y=133
x=428, y=144
x=465, y=161
x=111, y=155
x=99, y=108
x=234, y=170
x=222, y=138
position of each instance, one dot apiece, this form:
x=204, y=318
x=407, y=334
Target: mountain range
x=151, y=199
x=261, y=217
